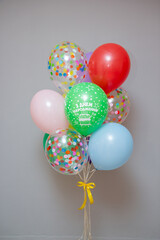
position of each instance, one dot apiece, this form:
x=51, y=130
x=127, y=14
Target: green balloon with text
x=46, y=135
x=86, y=107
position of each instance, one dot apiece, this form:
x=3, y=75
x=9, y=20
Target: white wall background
x=35, y=201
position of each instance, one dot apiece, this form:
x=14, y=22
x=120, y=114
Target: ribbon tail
x=90, y=196
x=85, y=200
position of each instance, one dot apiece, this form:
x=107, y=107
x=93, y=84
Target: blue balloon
x=110, y=146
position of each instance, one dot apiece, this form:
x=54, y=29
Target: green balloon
x=86, y=107
x=44, y=140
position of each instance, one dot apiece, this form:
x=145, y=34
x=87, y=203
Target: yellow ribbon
x=87, y=191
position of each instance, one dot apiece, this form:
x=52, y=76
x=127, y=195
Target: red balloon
x=109, y=66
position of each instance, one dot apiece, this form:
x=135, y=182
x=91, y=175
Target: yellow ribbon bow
x=87, y=191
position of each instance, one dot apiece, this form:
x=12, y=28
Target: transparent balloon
x=87, y=78
x=66, y=151
x=119, y=106
x=68, y=65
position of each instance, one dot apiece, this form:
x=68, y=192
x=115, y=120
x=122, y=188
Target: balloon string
x=80, y=176
x=91, y=174
x=87, y=174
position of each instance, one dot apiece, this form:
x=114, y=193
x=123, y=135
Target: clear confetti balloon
x=68, y=65
x=119, y=106
x=66, y=151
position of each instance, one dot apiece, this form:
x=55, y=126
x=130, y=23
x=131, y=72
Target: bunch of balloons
x=94, y=106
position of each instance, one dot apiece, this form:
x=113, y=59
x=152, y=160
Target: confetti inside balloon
x=87, y=78
x=66, y=151
x=86, y=107
x=119, y=106
x=67, y=64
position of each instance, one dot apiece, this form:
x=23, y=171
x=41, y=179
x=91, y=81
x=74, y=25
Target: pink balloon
x=47, y=111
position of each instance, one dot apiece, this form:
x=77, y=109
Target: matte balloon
x=66, y=151
x=110, y=146
x=46, y=135
x=119, y=106
x=67, y=64
x=86, y=107
x=47, y=111
x=109, y=66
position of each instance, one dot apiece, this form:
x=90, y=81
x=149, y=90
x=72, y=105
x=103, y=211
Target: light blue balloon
x=110, y=146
